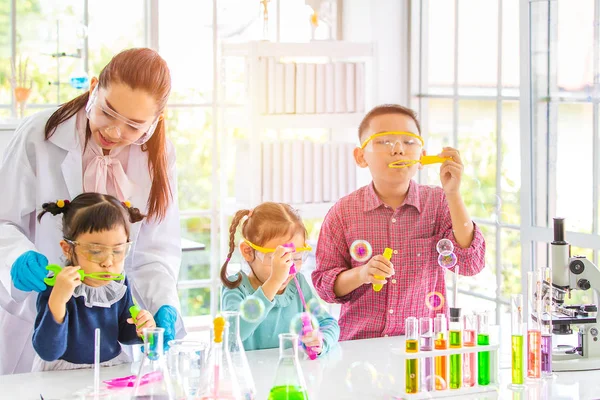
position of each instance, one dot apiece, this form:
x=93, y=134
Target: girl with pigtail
x=110, y=139
x=83, y=295
x=273, y=241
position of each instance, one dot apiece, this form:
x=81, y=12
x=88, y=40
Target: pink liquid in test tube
x=469, y=359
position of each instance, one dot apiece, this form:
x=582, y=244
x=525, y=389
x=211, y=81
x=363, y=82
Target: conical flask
x=238, y=356
x=153, y=380
x=289, y=382
x=221, y=381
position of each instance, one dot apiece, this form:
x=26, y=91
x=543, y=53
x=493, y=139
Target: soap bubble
x=316, y=308
x=296, y=323
x=252, y=309
x=361, y=250
x=445, y=247
x=361, y=379
x=448, y=261
x=386, y=384
x=434, y=301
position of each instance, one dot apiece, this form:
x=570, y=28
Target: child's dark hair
x=385, y=109
x=92, y=212
x=265, y=222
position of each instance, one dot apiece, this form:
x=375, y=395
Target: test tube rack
x=399, y=355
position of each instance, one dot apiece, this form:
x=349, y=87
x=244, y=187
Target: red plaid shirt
x=413, y=231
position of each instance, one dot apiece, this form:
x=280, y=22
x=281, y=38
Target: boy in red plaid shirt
x=396, y=212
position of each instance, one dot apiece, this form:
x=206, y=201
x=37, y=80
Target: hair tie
x=250, y=213
x=62, y=203
x=126, y=204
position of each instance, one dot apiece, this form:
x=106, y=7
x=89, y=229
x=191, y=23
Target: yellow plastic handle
x=427, y=160
x=387, y=253
x=424, y=160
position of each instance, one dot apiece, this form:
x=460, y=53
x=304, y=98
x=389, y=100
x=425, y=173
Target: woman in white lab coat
x=109, y=140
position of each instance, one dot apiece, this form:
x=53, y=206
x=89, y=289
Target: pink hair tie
x=250, y=213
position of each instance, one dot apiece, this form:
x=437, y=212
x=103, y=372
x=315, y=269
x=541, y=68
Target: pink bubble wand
x=306, y=321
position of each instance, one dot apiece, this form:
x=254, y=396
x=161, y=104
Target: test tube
x=97, y=361
x=534, y=335
x=483, y=357
x=441, y=343
x=412, y=346
x=546, y=323
x=455, y=343
x=516, y=313
x=469, y=359
x=427, y=368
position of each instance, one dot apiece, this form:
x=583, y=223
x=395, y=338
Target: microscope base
x=576, y=364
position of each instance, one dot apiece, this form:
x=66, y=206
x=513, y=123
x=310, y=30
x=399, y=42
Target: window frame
x=539, y=126
x=419, y=96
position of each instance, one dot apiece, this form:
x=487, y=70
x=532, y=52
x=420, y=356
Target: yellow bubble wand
x=424, y=160
x=387, y=253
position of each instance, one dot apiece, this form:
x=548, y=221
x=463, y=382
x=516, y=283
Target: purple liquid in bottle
x=428, y=372
x=547, y=354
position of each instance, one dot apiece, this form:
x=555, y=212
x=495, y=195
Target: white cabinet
x=328, y=78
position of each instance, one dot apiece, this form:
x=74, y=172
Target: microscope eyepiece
x=559, y=231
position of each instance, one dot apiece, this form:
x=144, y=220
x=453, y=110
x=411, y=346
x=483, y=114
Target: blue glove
x=28, y=272
x=165, y=317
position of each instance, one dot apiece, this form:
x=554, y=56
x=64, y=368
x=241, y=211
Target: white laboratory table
x=327, y=378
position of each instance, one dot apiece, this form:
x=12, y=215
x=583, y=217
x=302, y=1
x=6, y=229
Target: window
x=562, y=65
x=52, y=43
x=465, y=87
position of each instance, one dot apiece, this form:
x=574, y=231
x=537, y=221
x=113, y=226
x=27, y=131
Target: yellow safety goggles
x=385, y=141
x=266, y=254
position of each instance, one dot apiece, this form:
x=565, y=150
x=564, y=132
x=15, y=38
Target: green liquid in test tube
x=412, y=346
x=517, y=339
x=455, y=343
x=483, y=357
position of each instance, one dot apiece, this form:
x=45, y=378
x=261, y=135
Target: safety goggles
x=114, y=125
x=385, y=142
x=266, y=255
x=98, y=253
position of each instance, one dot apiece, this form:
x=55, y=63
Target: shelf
x=310, y=121
x=307, y=210
x=333, y=49
x=8, y=126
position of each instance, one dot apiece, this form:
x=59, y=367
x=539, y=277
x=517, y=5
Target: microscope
x=573, y=273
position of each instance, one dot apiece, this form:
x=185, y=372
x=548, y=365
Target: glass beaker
x=187, y=361
x=238, y=356
x=153, y=380
x=221, y=381
x=289, y=381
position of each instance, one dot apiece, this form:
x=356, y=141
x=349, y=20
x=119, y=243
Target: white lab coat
x=34, y=171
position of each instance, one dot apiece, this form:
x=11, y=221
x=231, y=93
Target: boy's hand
x=377, y=266
x=451, y=171
x=282, y=262
x=315, y=340
x=143, y=320
x=66, y=282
